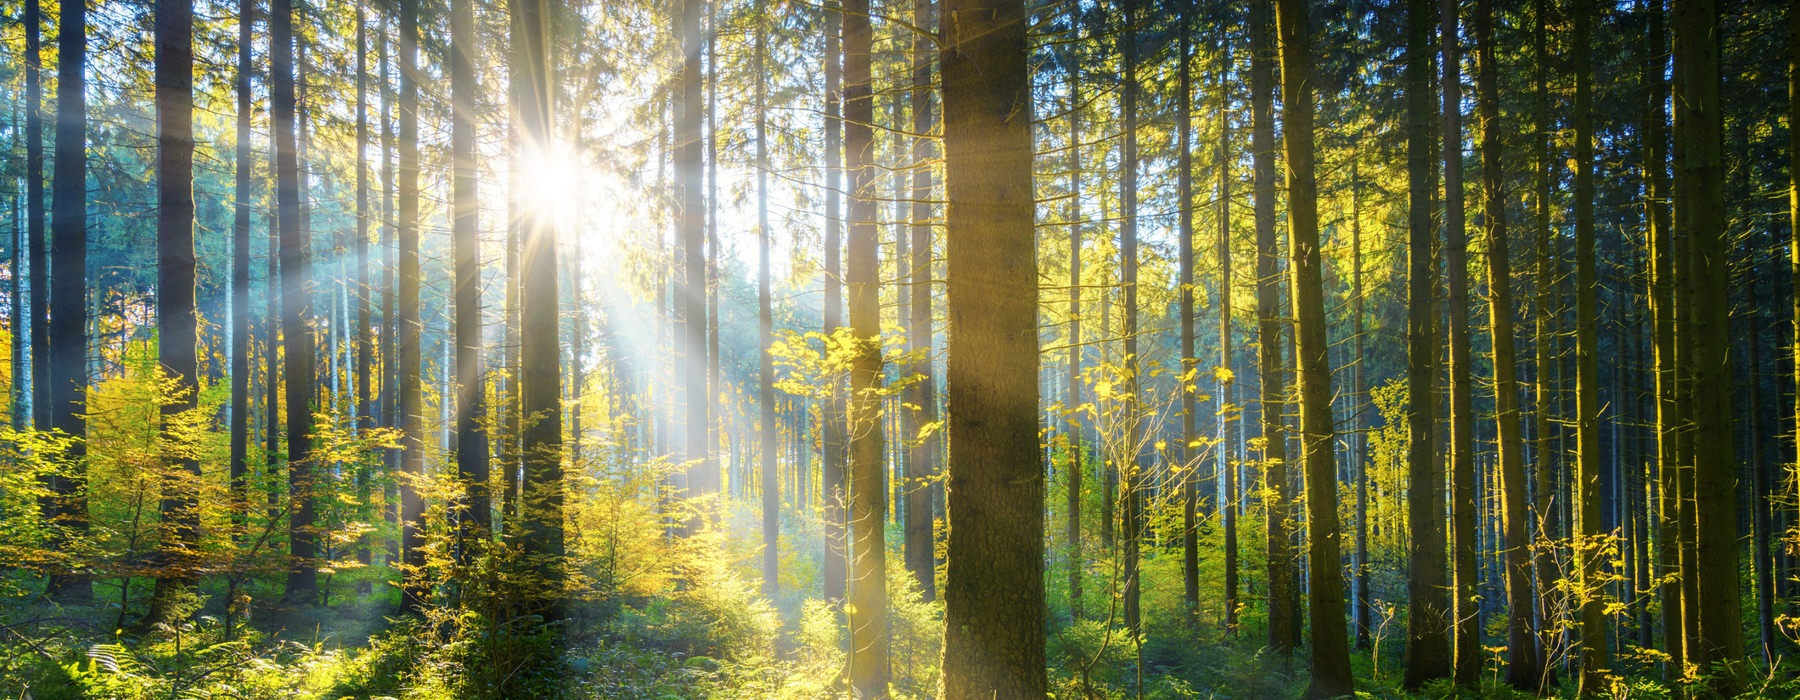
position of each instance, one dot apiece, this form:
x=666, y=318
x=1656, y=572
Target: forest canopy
x=899, y=349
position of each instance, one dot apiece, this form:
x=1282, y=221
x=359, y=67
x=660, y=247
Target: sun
x=548, y=183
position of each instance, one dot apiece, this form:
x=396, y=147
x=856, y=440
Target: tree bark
x=867, y=611
x=1131, y=467
x=1464, y=610
x=1521, y=644
x=994, y=634
x=296, y=309
x=1278, y=497
x=765, y=323
x=922, y=457
x=831, y=414
x=474, y=512
x=1427, y=622
x=1330, y=642
x=412, y=420
x=1190, y=364
x=1588, y=549
x=1700, y=219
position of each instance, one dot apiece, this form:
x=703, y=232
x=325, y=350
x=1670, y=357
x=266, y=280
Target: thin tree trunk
x=921, y=460
x=1222, y=466
x=412, y=419
x=1073, y=533
x=1587, y=550
x=832, y=410
x=1546, y=451
x=1190, y=365
x=240, y=278
x=1132, y=464
x=690, y=302
x=1662, y=308
x=473, y=520
x=36, y=249
x=765, y=323
x=365, y=341
x=1464, y=610
x=994, y=635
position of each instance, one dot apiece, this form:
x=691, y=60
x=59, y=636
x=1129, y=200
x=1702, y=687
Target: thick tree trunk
x=690, y=298
x=177, y=329
x=296, y=309
x=1662, y=309
x=1278, y=497
x=994, y=634
x=867, y=611
x=1700, y=219
x=540, y=389
x=1325, y=602
x=66, y=507
x=1509, y=446
x=1428, y=617
x=1545, y=451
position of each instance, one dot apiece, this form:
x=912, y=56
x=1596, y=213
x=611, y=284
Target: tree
x=1463, y=605
x=471, y=378
x=411, y=399
x=921, y=460
x=1325, y=604
x=1588, y=549
x=993, y=635
x=867, y=609
x=1545, y=505
x=540, y=398
x=1427, y=618
x=832, y=428
x=1521, y=644
x=177, y=332
x=1190, y=365
x=36, y=250
x=765, y=321
x=1700, y=220
x=690, y=301
x=240, y=274
x=1284, y=583
x=1223, y=469
x=1132, y=468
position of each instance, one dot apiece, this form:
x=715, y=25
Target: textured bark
x=1428, y=616
x=66, y=506
x=1312, y=351
x=474, y=514
x=36, y=249
x=1278, y=497
x=1545, y=451
x=868, y=495
x=1662, y=310
x=296, y=310
x=1463, y=607
x=365, y=340
x=1077, y=464
x=177, y=331
x=1700, y=219
x=993, y=593
x=1509, y=445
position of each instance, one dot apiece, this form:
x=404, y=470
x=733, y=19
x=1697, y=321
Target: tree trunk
x=412, y=438
x=690, y=298
x=240, y=278
x=1131, y=465
x=1222, y=466
x=1588, y=549
x=296, y=308
x=365, y=340
x=36, y=249
x=541, y=492
x=1278, y=497
x=867, y=611
x=1545, y=451
x=1325, y=604
x=831, y=412
x=1190, y=365
x=177, y=329
x=1464, y=609
x=1428, y=621
x=474, y=514
x=1509, y=446
x=922, y=457
x=765, y=324
x=994, y=634
x=1073, y=533
x=1662, y=309
x=1700, y=218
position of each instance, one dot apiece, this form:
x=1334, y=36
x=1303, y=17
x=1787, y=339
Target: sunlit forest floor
x=666, y=617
